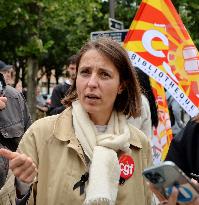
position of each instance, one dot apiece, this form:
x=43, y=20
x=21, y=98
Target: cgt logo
x=127, y=166
x=127, y=169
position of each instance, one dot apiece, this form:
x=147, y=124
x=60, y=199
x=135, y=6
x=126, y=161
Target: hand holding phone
x=167, y=175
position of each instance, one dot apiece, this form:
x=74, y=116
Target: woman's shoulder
x=46, y=130
x=46, y=126
x=138, y=136
x=45, y=122
x=40, y=131
x=140, y=142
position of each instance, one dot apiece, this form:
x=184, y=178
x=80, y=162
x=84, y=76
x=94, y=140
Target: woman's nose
x=93, y=81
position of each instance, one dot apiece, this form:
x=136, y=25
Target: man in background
x=60, y=90
x=15, y=117
x=14, y=121
x=7, y=71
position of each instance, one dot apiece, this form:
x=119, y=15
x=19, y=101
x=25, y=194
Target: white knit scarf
x=104, y=171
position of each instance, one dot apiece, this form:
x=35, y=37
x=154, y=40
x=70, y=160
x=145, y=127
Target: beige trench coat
x=7, y=192
x=52, y=144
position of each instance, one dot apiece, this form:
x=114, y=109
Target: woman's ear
x=119, y=91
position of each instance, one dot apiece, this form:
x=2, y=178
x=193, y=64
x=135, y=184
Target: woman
x=77, y=151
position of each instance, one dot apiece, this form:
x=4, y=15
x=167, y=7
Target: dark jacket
x=14, y=119
x=58, y=94
x=184, y=148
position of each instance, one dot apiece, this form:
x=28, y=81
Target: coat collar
x=63, y=127
x=64, y=131
x=135, y=137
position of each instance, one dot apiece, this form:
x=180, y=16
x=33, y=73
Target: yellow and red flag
x=162, y=134
x=159, y=44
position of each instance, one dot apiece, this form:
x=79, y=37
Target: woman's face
x=98, y=84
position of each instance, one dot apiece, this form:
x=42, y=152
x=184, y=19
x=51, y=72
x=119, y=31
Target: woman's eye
x=105, y=75
x=84, y=72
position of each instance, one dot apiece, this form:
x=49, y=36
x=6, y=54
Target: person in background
x=60, y=90
x=183, y=150
x=14, y=118
x=175, y=112
x=41, y=104
x=7, y=71
x=19, y=86
x=21, y=89
x=149, y=114
x=89, y=147
x=3, y=161
x=14, y=121
x=143, y=122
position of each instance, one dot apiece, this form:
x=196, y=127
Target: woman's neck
x=100, y=119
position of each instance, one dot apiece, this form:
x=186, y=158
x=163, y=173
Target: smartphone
x=2, y=85
x=166, y=175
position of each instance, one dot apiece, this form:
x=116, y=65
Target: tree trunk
x=32, y=68
x=48, y=78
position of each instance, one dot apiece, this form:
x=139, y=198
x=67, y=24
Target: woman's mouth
x=92, y=97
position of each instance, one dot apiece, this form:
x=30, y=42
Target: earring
x=119, y=92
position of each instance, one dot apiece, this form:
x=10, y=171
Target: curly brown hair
x=129, y=101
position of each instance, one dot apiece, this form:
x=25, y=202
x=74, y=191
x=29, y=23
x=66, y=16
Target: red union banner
x=158, y=43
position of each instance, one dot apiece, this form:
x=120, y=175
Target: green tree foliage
x=126, y=10
x=41, y=34
x=189, y=12
x=45, y=32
